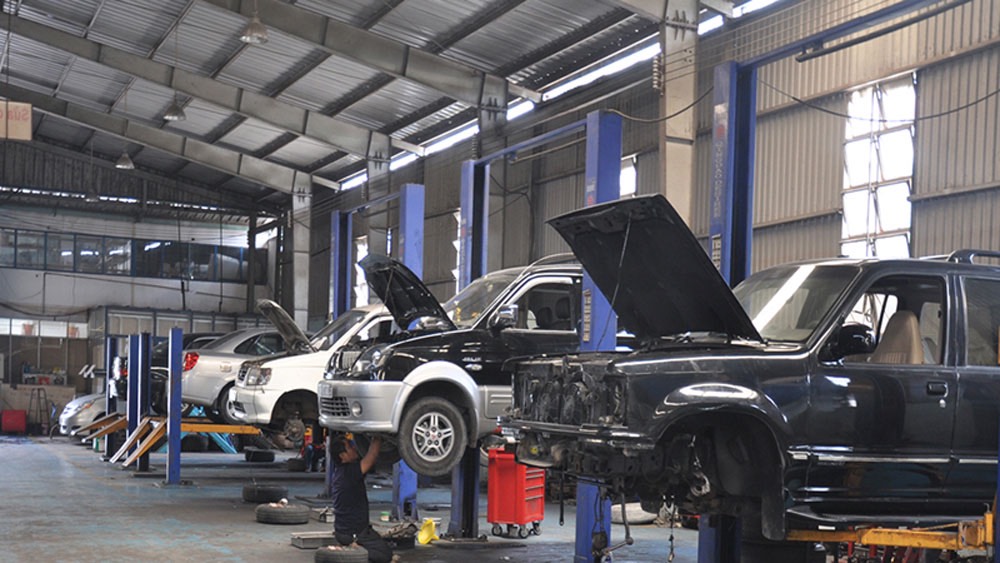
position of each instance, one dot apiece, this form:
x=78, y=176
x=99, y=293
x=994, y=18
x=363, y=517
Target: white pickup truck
x=278, y=393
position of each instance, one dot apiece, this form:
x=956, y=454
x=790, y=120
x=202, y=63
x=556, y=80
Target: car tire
x=421, y=443
x=221, y=412
x=341, y=554
x=258, y=456
x=264, y=493
x=275, y=513
x=295, y=464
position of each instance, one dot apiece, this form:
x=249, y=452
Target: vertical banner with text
x=15, y=121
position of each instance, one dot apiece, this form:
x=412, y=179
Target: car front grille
x=334, y=406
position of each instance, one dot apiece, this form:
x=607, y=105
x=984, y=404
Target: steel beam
x=231, y=162
x=461, y=82
x=313, y=125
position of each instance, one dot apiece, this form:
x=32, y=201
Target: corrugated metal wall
x=799, y=240
x=945, y=224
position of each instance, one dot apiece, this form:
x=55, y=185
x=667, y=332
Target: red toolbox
x=13, y=422
x=515, y=495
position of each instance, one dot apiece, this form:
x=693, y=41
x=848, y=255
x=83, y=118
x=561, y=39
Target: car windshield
x=225, y=340
x=336, y=329
x=787, y=303
x=467, y=305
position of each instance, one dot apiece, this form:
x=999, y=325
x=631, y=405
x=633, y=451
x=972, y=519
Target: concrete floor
x=60, y=502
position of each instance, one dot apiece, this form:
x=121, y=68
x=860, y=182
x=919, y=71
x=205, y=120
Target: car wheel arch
x=301, y=401
x=734, y=431
x=442, y=379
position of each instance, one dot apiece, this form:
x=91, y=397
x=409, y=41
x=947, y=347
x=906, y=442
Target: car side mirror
x=505, y=317
x=854, y=339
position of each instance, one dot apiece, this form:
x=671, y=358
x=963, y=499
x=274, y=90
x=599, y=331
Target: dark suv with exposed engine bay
x=438, y=386
x=831, y=391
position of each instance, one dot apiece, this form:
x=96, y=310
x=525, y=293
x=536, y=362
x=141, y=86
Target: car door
x=976, y=428
x=880, y=424
x=548, y=315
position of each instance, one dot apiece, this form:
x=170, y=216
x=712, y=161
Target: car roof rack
x=966, y=255
x=552, y=259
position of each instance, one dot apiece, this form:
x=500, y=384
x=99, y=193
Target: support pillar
x=138, y=387
x=301, y=220
x=111, y=444
x=678, y=84
x=341, y=263
x=475, y=212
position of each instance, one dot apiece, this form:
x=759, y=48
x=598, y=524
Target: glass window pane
x=860, y=107
x=175, y=259
x=896, y=246
x=861, y=167
x=59, y=252
x=856, y=249
x=118, y=256
x=89, y=254
x=148, y=258
x=859, y=213
x=896, y=154
x=894, y=206
x=30, y=250
x=899, y=103
x=7, y=244
x=627, y=179
x=202, y=262
x=231, y=264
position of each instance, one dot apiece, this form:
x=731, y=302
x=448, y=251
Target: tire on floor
x=277, y=513
x=255, y=492
x=341, y=554
x=255, y=455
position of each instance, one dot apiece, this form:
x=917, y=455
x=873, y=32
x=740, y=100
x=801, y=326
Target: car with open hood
x=438, y=387
x=278, y=392
x=824, y=392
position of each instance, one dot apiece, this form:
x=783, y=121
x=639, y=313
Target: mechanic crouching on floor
x=350, y=498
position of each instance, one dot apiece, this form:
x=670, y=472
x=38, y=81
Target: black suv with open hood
x=439, y=385
x=827, y=391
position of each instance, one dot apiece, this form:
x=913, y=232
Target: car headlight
x=258, y=376
x=369, y=363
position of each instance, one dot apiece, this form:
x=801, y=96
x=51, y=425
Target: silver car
x=209, y=372
x=80, y=412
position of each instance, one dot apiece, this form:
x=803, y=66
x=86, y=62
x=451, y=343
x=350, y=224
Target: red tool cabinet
x=515, y=495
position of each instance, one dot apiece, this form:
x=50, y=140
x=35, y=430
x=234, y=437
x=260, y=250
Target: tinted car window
x=982, y=298
x=268, y=344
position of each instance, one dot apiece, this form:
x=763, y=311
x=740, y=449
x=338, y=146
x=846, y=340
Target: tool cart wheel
x=497, y=530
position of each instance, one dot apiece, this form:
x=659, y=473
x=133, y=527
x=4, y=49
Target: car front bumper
x=373, y=401
x=253, y=405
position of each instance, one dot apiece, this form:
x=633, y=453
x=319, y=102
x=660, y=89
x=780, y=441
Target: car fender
x=439, y=371
x=700, y=398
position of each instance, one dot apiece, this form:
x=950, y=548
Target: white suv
x=279, y=394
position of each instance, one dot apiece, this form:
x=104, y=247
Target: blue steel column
x=133, y=384
x=411, y=250
x=174, y=407
x=474, y=203
x=145, y=389
x=341, y=264
x=110, y=393
x=599, y=323
x=745, y=142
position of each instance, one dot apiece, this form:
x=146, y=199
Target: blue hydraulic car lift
x=603, y=168
x=139, y=349
x=731, y=226
x=111, y=444
x=411, y=249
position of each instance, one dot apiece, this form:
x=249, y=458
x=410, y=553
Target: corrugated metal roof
x=547, y=36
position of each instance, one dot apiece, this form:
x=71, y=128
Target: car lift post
x=411, y=249
x=599, y=323
x=138, y=386
x=174, y=406
x=111, y=444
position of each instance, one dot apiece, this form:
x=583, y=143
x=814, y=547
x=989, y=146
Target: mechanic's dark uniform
x=350, y=512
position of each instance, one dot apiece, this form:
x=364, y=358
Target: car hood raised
x=402, y=292
x=663, y=283
x=296, y=341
